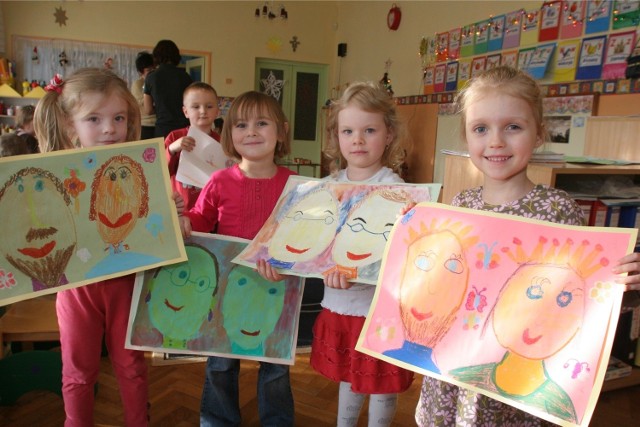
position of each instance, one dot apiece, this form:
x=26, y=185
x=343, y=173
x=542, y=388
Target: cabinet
x=11, y=98
x=459, y=173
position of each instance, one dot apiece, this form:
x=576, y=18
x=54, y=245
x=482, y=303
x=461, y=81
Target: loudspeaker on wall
x=342, y=49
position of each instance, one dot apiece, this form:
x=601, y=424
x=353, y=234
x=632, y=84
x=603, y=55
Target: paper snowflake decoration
x=272, y=86
x=61, y=16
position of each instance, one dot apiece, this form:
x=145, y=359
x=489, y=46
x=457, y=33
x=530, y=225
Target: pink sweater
x=238, y=205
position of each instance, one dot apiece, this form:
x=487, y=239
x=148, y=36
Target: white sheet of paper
x=196, y=166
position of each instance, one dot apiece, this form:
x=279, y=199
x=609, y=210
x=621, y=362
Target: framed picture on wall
x=565, y=118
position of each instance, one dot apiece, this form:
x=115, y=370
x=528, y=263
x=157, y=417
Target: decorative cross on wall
x=294, y=43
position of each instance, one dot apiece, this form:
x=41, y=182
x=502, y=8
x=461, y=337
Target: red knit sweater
x=237, y=205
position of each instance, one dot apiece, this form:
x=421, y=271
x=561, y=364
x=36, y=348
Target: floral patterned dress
x=442, y=404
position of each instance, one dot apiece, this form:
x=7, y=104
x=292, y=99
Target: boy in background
x=200, y=106
x=24, y=128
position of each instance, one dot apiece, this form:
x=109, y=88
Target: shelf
x=628, y=381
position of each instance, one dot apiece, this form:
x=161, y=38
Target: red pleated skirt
x=333, y=355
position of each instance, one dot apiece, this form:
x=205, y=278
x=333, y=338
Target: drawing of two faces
x=185, y=300
x=347, y=231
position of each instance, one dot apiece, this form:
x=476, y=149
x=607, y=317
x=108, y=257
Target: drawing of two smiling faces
x=355, y=228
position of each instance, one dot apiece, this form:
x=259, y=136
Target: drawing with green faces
x=251, y=308
x=182, y=296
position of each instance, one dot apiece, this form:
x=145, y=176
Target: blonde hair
x=373, y=98
x=54, y=111
x=506, y=81
x=255, y=104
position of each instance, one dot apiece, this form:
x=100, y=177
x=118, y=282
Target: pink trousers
x=85, y=314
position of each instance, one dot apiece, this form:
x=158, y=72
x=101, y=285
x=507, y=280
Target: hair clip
x=55, y=84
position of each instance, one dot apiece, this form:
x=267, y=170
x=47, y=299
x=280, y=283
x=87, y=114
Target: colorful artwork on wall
x=323, y=226
x=74, y=217
x=210, y=306
x=520, y=310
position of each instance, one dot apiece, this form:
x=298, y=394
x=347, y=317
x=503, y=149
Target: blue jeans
x=220, y=407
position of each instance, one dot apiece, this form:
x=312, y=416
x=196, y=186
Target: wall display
x=627, y=14
x=509, y=59
x=598, y=16
x=572, y=20
x=591, y=57
x=210, y=306
x=619, y=47
x=438, y=81
x=481, y=37
x=493, y=61
x=442, y=47
x=75, y=217
x=464, y=72
x=566, y=60
x=496, y=33
x=512, y=27
x=467, y=39
x=454, y=43
x=549, y=21
x=451, y=79
x=478, y=65
x=566, y=118
x=525, y=312
x=540, y=59
x=319, y=226
x=530, y=28
x=428, y=79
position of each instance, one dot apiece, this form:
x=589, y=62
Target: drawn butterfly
x=578, y=367
x=476, y=300
x=487, y=260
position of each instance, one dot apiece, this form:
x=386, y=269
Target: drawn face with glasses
x=181, y=296
x=306, y=229
x=362, y=239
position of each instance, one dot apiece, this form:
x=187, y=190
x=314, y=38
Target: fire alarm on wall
x=393, y=17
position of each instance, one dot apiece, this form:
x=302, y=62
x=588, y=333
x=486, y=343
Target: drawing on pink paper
x=520, y=310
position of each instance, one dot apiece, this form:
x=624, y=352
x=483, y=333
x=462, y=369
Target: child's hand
x=337, y=280
x=179, y=202
x=629, y=264
x=185, y=226
x=185, y=143
x=267, y=271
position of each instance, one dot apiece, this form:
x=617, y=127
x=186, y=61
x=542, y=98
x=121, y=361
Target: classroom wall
x=235, y=37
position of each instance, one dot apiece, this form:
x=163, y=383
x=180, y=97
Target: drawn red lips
x=172, y=307
x=420, y=316
x=527, y=339
x=38, y=252
x=296, y=251
x=119, y=222
x=251, y=334
x=356, y=257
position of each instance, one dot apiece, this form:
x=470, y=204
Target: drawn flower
x=74, y=187
x=601, y=292
x=7, y=280
x=149, y=155
x=90, y=161
x=155, y=226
